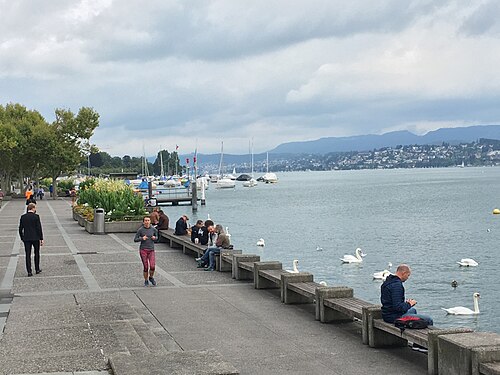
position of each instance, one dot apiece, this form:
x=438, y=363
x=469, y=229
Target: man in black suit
x=30, y=230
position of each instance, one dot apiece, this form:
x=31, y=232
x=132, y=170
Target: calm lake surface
x=428, y=218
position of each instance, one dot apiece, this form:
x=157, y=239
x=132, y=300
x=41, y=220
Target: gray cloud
x=187, y=73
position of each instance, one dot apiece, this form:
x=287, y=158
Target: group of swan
x=358, y=258
x=460, y=310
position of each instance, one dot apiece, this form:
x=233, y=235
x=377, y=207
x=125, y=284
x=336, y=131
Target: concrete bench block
x=220, y=264
x=288, y=296
x=239, y=273
x=455, y=351
x=323, y=314
x=376, y=337
x=432, y=346
x=261, y=282
x=485, y=355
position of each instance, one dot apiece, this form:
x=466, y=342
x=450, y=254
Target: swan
x=381, y=275
x=261, y=242
x=353, y=259
x=468, y=262
x=323, y=283
x=319, y=248
x=295, y=269
x=460, y=310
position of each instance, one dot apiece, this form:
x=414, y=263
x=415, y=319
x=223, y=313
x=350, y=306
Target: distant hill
x=371, y=141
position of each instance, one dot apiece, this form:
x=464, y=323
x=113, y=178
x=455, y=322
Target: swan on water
x=261, y=242
x=319, y=248
x=381, y=275
x=468, y=262
x=353, y=258
x=323, y=283
x=295, y=268
x=460, y=310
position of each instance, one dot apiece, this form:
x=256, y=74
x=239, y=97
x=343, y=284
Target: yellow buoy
x=496, y=211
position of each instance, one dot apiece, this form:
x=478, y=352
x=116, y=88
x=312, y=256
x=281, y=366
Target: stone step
x=172, y=363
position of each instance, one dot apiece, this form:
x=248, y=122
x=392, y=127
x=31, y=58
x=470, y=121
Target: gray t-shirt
x=147, y=244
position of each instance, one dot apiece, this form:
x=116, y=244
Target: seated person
x=393, y=300
x=162, y=221
x=181, y=227
x=199, y=231
x=216, y=243
x=155, y=216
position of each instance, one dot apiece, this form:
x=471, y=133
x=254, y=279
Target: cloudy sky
x=162, y=73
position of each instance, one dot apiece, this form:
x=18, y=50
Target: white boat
x=231, y=176
x=252, y=182
x=269, y=177
x=224, y=182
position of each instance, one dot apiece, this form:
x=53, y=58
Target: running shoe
x=146, y=283
x=152, y=281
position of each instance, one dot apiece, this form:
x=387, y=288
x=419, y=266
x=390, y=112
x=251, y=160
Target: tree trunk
x=54, y=187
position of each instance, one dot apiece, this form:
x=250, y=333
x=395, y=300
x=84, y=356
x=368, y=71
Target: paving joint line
x=84, y=269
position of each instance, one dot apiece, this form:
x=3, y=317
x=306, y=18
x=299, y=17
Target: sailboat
x=269, y=177
x=224, y=182
x=252, y=182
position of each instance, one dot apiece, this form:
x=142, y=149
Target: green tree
x=68, y=141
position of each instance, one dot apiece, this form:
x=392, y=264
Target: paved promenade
x=88, y=305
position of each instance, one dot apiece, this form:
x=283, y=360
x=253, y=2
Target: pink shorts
x=148, y=259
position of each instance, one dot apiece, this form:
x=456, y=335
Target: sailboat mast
x=221, y=156
x=252, y=158
x=162, y=172
x=267, y=162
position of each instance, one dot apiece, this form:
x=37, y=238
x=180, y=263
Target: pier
x=88, y=313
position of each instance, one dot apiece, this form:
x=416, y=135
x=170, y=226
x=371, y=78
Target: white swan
x=323, y=283
x=460, y=310
x=353, y=259
x=468, y=262
x=295, y=268
x=261, y=242
x=319, y=248
x=381, y=275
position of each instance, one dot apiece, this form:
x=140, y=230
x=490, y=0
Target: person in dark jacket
x=30, y=231
x=393, y=300
x=199, y=233
x=181, y=227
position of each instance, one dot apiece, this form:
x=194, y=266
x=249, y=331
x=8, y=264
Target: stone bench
x=183, y=242
x=338, y=304
x=242, y=266
x=298, y=287
x=224, y=260
x=378, y=333
x=267, y=275
x=469, y=353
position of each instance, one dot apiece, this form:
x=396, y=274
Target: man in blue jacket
x=393, y=300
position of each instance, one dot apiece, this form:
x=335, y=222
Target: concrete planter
x=75, y=215
x=122, y=226
x=112, y=226
x=81, y=220
x=89, y=226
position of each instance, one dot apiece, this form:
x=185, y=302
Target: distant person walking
x=30, y=231
x=41, y=193
x=147, y=235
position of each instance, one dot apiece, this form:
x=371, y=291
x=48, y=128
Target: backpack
x=410, y=321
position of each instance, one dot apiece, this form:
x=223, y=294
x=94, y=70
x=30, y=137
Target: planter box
x=81, y=221
x=122, y=226
x=75, y=215
x=89, y=226
x=113, y=226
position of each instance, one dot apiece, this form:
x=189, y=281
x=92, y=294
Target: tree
x=68, y=141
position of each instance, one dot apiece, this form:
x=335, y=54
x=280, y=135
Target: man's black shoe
x=39, y=271
x=30, y=274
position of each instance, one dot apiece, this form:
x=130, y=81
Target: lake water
x=428, y=218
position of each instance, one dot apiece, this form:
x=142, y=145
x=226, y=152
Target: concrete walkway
x=89, y=306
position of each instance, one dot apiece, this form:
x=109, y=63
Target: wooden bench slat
x=272, y=275
x=246, y=265
x=419, y=336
